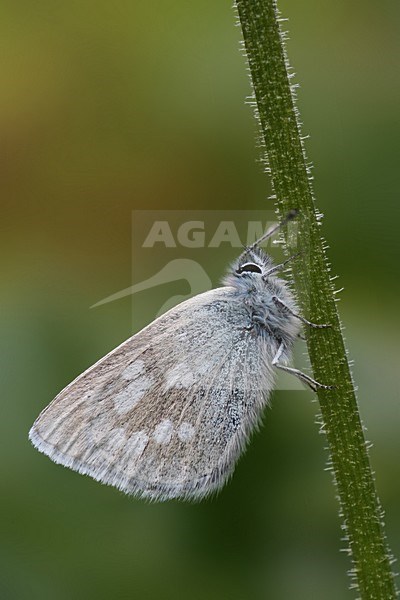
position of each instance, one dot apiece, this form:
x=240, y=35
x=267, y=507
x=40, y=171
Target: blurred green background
x=110, y=107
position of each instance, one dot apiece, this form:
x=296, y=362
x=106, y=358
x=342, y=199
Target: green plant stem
x=280, y=131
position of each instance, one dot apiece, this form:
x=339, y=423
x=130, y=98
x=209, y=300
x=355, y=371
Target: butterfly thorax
x=258, y=293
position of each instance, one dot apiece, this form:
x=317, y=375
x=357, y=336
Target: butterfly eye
x=249, y=268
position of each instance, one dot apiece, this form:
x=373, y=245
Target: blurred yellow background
x=111, y=107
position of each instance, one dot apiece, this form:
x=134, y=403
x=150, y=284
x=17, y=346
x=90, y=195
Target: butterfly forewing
x=167, y=413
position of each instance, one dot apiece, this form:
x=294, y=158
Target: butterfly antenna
x=250, y=251
x=292, y=214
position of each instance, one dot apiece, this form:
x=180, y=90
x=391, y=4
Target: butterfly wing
x=167, y=413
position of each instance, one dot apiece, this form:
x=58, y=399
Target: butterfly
x=168, y=412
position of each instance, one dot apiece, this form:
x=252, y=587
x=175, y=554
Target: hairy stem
x=280, y=131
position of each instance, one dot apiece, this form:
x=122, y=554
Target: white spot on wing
x=108, y=450
x=133, y=370
x=117, y=438
x=180, y=376
x=185, y=431
x=136, y=444
x=163, y=432
x=127, y=398
x=99, y=429
x=203, y=368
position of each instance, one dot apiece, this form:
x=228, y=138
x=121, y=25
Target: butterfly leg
x=285, y=307
x=312, y=383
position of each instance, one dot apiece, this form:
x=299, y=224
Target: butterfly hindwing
x=167, y=413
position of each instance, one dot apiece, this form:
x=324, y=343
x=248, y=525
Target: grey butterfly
x=168, y=412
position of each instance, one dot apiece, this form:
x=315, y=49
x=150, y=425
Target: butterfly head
x=251, y=268
x=254, y=268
